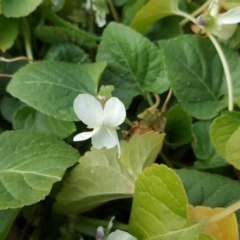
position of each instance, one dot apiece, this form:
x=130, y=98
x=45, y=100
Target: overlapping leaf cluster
x=150, y=53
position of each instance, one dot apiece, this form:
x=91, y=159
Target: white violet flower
x=221, y=25
x=101, y=10
x=104, y=119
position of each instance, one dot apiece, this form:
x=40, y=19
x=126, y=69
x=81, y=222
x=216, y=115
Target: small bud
x=200, y=21
x=100, y=233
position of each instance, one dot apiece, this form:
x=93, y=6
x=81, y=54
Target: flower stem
x=113, y=11
x=27, y=39
x=187, y=16
x=234, y=207
x=128, y=122
x=195, y=13
x=149, y=99
x=222, y=58
x=91, y=18
x=226, y=70
x=166, y=160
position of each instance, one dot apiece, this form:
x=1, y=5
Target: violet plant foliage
x=156, y=82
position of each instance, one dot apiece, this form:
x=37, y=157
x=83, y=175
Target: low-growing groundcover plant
x=157, y=82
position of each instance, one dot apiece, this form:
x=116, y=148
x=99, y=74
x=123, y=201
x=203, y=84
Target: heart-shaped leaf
x=51, y=87
x=177, y=126
x=29, y=165
x=9, y=34
x=199, y=84
x=31, y=120
x=134, y=63
x=225, y=135
x=15, y=8
x=159, y=208
x=203, y=148
x=87, y=187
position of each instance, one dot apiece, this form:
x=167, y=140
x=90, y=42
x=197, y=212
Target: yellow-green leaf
x=223, y=229
x=153, y=11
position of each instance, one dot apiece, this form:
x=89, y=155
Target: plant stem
x=187, y=16
x=226, y=71
x=5, y=75
x=128, y=122
x=195, y=13
x=222, y=58
x=113, y=11
x=104, y=223
x=234, y=207
x=27, y=39
x=20, y=58
x=165, y=159
x=149, y=99
x=164, y=106
x=91, y=18
x=156, y=104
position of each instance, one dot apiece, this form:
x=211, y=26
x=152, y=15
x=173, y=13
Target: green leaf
x=159, y=208
x=204, y=236
x=30, y=164
x=31, y=120
x=7, y=218
x=166, y=28
x=9, y=106
x=67, y=52
x=134, y=63
x=51, y=87
x=55, y=35
x=106, y=91
x=9, y=33
x=143, y=150
x=131, y=8
x=16, y=8
x=225, y=135
x=208, y=189
x=153, y=11
x=177, y=126
x=199, y=84
x=203, y=148
x=87, y=187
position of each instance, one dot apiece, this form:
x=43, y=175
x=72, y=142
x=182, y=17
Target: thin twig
x=113, y=11
x=5, y=75
x=91, y=18
x=156, y=104
x=20, y=58
x=163, y=110
x=164, y=106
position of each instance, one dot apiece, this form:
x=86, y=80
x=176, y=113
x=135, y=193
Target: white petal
x=226, y=31
x=230, y=17
x=89, y=110
x=114, y=112
x=120, y=235
x=100, y=21
x=214, y=8
x=105, y=138
x=88, y=5
x=85, y=135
